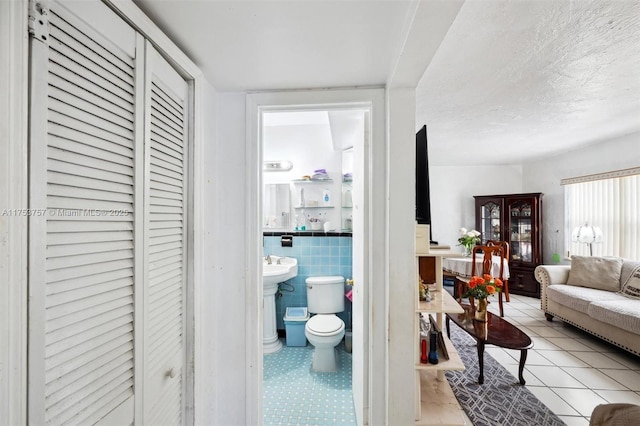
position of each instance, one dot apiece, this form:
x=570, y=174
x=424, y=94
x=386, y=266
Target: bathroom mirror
x=276, y=207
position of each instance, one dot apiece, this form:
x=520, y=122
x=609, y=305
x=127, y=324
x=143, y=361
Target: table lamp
x=587, y=234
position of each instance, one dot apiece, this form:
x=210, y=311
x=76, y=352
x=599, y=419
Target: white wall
x=452, y=191
x=544, y=175
x=220, y=377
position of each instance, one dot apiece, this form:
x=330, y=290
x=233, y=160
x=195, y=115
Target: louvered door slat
x=76, y=158
x=67, y=87
x=59, y=71
x=96, y=247
x=107, y=405
x=173, y=162
x=162, y=208
x=58, y=336
x=159, y=159
x=68, y=365
x=167, y=180
x=166, y=197
x=85, y=366
x=70, y=122
x=165, y=119
x=76, y=344
x=90, y=119
x=161, y=171
x=88, y=373
x=75, y=190
x=169, y=100
x=167, y=105
x=168, y=140
x=166, y=187
x=96, y=42
x=56, y=226
x=104, y=389
x=57, y=299
x=63, y=137
x=74, y=43
x=62, y=179
x=101, y=110
x=78, y=170
x=164, y=246
x=97, y=150
x=55, y=239
x=74, y=65
x=166, y=239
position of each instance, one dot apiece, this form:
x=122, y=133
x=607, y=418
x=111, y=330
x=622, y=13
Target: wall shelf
x=434, y=399
x=314, y=207
x=312, y=181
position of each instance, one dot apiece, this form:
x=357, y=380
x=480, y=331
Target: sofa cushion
x=631, y=287
x=623, y=314
x=628, y=268
x=579, y=298
x=596, y=272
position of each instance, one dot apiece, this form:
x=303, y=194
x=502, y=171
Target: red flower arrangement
x=483, y=287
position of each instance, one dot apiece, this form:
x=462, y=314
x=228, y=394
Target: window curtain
x=610, y=201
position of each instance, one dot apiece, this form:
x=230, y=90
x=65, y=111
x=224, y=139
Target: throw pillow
x=631, y=287
x=602, y=273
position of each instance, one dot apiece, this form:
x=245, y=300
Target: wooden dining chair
x=505, y=248
x=487, y=253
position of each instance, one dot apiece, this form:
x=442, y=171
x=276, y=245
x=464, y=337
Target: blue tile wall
x=317, y=255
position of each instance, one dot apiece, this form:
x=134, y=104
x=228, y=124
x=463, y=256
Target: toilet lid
x=325, y=324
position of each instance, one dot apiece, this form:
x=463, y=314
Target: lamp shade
x=587, y=234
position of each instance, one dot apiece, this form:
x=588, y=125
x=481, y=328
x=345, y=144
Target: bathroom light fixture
x=587, y=234
x=277, y=166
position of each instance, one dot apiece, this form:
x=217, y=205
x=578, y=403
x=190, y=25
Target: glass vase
x=481, y=310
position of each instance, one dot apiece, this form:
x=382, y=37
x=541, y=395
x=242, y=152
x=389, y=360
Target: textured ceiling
x=520, y=79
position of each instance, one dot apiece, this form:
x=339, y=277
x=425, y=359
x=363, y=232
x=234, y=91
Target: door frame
x=374, y=396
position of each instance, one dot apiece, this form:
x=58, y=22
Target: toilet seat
x=325, y=325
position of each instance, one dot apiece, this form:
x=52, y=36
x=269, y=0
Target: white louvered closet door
x=165, y=243
x=107, y=235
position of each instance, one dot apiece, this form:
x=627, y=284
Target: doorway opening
x=309, y=177
x=368, y=319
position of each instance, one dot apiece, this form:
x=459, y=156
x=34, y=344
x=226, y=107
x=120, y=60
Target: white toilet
x=324, y=330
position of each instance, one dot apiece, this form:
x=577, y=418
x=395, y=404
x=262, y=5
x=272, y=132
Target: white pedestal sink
x=275, y=270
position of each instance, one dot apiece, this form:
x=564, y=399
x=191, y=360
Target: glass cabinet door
x=520, y=226
x=490, y=221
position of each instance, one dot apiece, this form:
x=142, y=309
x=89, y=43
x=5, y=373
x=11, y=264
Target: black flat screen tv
x=423, y=200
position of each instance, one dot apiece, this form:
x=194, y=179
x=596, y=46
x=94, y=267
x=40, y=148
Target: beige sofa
x=598, y=295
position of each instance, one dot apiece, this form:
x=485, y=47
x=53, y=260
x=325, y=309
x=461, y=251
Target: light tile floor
x=295, y=395
x=568, y=369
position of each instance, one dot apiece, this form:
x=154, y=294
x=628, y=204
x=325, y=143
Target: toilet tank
x=325, y=295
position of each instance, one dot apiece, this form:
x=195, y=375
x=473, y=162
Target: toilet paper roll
x=327, y=226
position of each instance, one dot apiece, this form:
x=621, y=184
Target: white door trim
x=376, y=213
x=13, y=195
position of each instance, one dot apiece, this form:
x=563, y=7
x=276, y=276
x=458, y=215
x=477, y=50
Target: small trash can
x=295, y=319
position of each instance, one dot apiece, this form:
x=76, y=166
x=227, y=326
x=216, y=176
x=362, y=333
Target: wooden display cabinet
x=517, y=219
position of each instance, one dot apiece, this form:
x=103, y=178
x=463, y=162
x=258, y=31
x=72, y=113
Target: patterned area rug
x=501, y=400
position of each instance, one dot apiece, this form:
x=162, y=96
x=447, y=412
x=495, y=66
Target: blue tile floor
x=295, y=395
